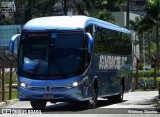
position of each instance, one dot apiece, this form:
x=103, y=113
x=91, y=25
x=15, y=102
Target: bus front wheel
x=38, y=105
x=93, y=101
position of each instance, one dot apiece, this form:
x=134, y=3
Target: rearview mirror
x=12, y=42
x=90, y=42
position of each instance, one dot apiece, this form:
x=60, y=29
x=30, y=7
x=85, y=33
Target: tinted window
x=112, y=42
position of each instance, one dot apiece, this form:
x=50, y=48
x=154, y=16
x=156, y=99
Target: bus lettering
x=111, y=62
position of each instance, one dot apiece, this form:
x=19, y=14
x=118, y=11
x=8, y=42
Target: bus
x=75, y=59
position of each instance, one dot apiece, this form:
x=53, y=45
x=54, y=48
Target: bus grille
x=44, y=89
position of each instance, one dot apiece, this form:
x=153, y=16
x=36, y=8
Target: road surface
x=134, y=103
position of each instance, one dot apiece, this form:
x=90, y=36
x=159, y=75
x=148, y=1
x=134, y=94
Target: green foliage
x=153, y=48
x=103, y=15
x=6, y=21
x=7, y=78
x=159, y=89
x=145, y=83
x=14, y=87
x=14, y=94
x=152, y=9
x=148, y=25
x=134, y=25
x=145, y=24
x=146, y=73
x=140, y=66
x=146, y=79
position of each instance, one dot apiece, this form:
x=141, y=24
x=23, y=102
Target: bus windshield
x=56, y=55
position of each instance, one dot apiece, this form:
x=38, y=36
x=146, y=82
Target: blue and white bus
x=72, y=59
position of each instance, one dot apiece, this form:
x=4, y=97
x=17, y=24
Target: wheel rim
x=93, y=101
x=121, y=93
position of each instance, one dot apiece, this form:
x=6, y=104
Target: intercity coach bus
x=72, y=59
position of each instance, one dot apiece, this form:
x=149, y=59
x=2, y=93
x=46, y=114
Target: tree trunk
x=127, y=16
x=65, y=7
x=81, y=11
x=158, y=55
x=29, y=10
x=141, y=47
x=149, y=48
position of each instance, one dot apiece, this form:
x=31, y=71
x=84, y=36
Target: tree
x=65, y=7
x=81, y=6
x=134, y=26
x=103, y=15
x=152, y=9
x=146, y=26
x=31, y=8
x=25, y=5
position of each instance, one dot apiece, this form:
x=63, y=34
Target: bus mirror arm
x=90, y=42
x=12, y=42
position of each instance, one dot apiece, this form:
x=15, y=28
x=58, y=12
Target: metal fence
x=8, y=63
x=6, y=32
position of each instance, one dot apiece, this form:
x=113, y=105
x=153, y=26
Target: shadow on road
x=147, y=102
x=103, y=103
x=75, y=107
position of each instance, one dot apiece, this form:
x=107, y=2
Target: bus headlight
x=24, y=85
x=74, y=84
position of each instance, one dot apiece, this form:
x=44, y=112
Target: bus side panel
x=110, y=69
x=108, y=80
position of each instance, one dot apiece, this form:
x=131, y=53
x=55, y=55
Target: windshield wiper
x=38, y=65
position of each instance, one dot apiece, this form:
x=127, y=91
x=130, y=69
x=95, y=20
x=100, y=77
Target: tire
x=92, y=103
x=119, y=98
x=38, y=105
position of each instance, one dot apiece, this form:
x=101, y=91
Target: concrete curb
x=158, y=100
x=8, y=102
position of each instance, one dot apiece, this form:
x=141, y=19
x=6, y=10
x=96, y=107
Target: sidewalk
x=8, y=102
x=158, y=100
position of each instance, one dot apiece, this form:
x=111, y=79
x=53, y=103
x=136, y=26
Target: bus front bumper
x=68, y=95
x=60, y=90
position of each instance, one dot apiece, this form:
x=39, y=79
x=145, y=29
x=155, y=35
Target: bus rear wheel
x=120, y=96
x=38, y=105
x=93, y=101
x=117, y=98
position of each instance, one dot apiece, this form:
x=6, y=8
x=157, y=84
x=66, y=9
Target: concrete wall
x=120, y=18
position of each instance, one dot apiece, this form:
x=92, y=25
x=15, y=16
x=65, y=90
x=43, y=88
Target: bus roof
x=68, y=23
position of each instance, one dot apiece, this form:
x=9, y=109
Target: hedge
x=147, y=73
x=146, y=79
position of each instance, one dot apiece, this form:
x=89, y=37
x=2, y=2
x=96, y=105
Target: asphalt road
x=134, y=103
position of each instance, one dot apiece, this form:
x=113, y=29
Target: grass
x=157, y=106
x=14, y=88
x=14, y=94
x=7, y=78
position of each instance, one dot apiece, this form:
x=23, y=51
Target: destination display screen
x=31, y=35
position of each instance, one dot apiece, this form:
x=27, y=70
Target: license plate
x=48, y=96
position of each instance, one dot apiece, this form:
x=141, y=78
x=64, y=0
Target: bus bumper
x=63, y=96
x=50, y=93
